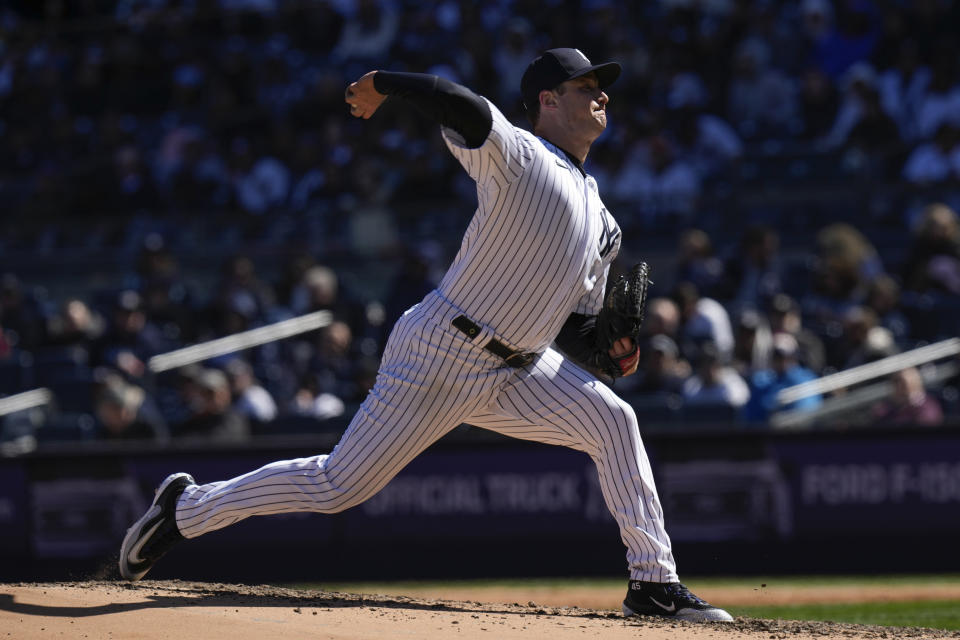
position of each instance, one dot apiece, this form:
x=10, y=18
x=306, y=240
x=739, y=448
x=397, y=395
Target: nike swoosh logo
x=670, y=609
x=133, y=557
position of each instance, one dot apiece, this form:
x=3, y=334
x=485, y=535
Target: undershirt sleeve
x=577, y=337
x=447, y=103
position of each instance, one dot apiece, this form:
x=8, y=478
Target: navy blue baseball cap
x=556, y=66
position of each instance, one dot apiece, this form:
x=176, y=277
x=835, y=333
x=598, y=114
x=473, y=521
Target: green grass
x=802, y=581
x=935, y=614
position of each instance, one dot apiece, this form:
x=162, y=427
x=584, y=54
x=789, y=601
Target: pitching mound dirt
x=153, y=610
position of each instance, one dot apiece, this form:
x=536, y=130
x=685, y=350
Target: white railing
x=194, y=353
x=25, y=400
x=869, y=371
x=847, y=404
x=239, y=341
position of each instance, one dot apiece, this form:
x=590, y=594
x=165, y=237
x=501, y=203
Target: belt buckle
x=518, y=360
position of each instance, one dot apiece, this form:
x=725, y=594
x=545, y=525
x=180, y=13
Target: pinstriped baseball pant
x=433, y=378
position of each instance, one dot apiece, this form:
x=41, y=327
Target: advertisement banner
x=771, y=491
x=500, y=492
x=896, y=485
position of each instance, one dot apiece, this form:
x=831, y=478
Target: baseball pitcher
x=518, y=337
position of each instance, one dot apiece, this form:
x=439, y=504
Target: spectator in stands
x=818, y=104
x=200, y=178
x=940, y=103
x=713, y=381
x=784, y=372
x=250, y=399
x=310, y=401
x=933, y=262
x=368, y=32
x=243, y=299
x=211, y=413
x=909, y=403
x=371, y=228
x=862, y=340
x=6, y=343
x=702, y=319
x=851, y=349
x=319, y=290
x=853, y=37
x=846, y=265
x=762, y=101
x=335, y=360
x=414, y=279
x=510, y=60
x=155, y=262
x=859, y=94
x=817, y=21
x=130, y=339
x=752, y=343
x=902, y=87
x=932, y=162
x=308, y=175
x=75, y=325
x=785, y=317
x=873, y=143
x=662, y=317
x=260, y=182
x=697, y=263
x=102, y=121
x=662, y=370
x=167, y=306
x=126, y=412
x=753, y=274
x=132, y=188
x=20, y=314
x=704, y=140
x=883, y=297
x=664, y=187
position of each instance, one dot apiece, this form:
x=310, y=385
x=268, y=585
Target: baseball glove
x=621, y=317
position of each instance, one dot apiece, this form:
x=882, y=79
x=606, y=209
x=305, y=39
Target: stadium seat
x=74, y=394
x=298, y=425
x=709, y=416
x=56, y=365
x=657, y=409
x=16, y=374
x=67, y=427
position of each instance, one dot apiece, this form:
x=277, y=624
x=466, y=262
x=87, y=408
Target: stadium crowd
x=800, y=157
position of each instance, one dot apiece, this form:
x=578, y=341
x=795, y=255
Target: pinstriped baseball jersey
x=538, y=248
x=540, y=243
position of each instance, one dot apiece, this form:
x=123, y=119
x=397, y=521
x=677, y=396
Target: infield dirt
x=155, y=610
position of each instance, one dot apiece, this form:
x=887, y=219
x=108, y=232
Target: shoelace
x=682, y=594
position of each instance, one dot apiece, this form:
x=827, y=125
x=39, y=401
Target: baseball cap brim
x=607, y=73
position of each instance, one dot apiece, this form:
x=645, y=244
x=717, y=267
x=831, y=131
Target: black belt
x=513, y=358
